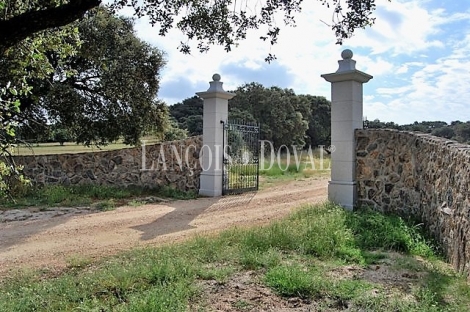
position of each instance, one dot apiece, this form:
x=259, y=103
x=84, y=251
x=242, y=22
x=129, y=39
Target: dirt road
x=50, y=243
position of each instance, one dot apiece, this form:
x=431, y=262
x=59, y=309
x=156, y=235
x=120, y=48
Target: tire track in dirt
x=49, y=243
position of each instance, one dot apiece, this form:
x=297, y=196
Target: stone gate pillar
x=215, y=111
x=346, y=116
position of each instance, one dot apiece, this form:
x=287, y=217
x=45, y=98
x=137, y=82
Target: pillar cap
x=347, y=63
x=216, y=90
x=347, y=54
x=347, y=70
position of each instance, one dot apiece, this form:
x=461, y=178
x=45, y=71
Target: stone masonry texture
x=175, y=164
x=419, y=176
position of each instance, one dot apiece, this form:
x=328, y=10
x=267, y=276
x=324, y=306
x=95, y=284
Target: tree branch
x=20, y=27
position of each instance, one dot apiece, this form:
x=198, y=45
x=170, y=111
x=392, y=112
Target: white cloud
x=402, y=27
x=405, y=67
x=418, y=56
x=394, y=91
x=402, y=69
x=438, y=90
x=377, y=65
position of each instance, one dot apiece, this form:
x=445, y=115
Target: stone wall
x=175, y=164
x=422, y=176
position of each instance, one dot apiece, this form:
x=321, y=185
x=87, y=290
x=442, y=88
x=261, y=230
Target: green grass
x=78, y=261
x=105, y=205
x=374, y=230
x=67, y=148
x=287, y=168
x=301, y=256
x=100, y=196
x=71, y=148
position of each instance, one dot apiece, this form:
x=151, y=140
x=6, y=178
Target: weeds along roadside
x=301, y=256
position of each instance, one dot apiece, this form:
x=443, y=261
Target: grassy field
x=99, y=196
x=283, y=169
x=308, y=257
x=56, y=148
x=70, y=147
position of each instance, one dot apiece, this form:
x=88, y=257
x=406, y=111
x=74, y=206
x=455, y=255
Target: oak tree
x=221, y=22
x=105, y=91
x=319, y=120
x=279, y=111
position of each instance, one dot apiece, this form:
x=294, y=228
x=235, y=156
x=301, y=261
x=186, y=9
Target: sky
x=418, y=52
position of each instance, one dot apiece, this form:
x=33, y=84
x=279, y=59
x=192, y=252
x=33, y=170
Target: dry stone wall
x=175, y=164
x=421, y=176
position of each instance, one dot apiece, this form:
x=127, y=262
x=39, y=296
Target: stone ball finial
x=216, y=77
x=347, y=54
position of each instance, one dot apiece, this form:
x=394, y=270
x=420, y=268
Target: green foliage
x=444, y=132
x=457, y=130
x=237, y=144
x=327, y=236
x=374, y=230
x=31, y=60
x=11, y=178
x=279, y=112
x=104, y=92
x=292, y=281
x=61, y=135
x=377, y=124
x=319, y=120
x=25, y=63
x=193, y=124
x=103, y=197
x=308, y=282
x=106, y=205
x=188, y=114
x=78, y=262
x=170, y=192
x=219, y=274
x=225, y=23
x=173, y=131
x=19, y=65
x=192, y=106
x=462, y=132
x=36, y=17
x=309, y=165
x=276, y=170
x=285, y=118
x=424, y=126
x=104, y=89
x=306, y=118
x=329, y=231
x=72, y=86
x=160, y=283
x=55, y=194
x=254, y=259
x=242, y=115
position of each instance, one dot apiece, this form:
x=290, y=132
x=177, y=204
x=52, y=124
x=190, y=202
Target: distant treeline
x=456, y=130
x=285, y=117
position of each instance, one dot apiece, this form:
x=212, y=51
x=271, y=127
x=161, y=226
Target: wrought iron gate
x=240, y=172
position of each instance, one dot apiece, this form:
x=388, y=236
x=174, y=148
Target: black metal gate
x=240, y=171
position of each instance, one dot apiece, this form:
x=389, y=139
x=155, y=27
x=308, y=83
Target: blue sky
x=418, y=52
